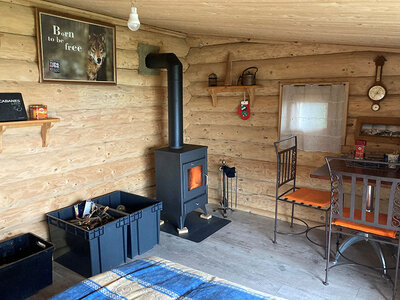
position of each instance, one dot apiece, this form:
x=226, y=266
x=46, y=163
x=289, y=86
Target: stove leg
x=204, y=215
x=182, y=231
x=181, y=223
x=207, y=217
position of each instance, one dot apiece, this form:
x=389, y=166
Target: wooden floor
x=243, y=252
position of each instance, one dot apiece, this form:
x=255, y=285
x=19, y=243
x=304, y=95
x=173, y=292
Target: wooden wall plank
x=199, y=41
x=243, y=134
x=345, y=65
x=17, y=19
x=18, y=47
x=252, y=51
x=260, y=119
x=116, y=96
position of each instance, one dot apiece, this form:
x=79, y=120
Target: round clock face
x=375, y=107
x=377, y=92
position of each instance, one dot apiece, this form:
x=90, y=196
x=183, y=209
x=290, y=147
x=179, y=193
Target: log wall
x=248, y=145
x=105, y=139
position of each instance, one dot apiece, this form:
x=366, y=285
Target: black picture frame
x=75, y=50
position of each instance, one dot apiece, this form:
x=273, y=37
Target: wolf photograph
x=75, y=50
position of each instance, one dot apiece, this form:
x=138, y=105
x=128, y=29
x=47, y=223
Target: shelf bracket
x=45, y=133
x=252, y=99
x=213, y=94
x=2, y=129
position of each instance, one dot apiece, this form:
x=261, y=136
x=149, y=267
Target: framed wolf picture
x=73, y=49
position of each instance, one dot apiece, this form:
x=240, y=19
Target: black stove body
x=181, y=181
x=181, y=169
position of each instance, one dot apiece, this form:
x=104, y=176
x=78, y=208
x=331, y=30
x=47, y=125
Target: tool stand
x=228, y=192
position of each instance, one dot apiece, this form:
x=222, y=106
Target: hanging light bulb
x=133, y=22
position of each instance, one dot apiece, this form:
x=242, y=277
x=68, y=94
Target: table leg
x=370, y=198
x=346, y=244
x=358, y=238
x=378, y=250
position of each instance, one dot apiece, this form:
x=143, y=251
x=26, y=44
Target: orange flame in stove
x=195, y=177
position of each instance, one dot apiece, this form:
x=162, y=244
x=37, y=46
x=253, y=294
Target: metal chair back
x=350, y=170
x=286, y=158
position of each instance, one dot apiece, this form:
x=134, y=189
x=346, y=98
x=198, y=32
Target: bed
x=156, y=278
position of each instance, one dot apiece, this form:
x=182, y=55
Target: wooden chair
x=286, y=156
x=349, y=209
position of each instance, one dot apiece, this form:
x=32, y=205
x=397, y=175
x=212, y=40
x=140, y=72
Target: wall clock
x=377, y=92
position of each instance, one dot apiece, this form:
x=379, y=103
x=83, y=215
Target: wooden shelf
x=45, y=124
x=214, y=90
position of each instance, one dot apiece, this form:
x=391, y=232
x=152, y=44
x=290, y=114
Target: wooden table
x=340, y=165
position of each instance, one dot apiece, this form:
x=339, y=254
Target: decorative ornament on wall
x=244, y=108
x=377, y=92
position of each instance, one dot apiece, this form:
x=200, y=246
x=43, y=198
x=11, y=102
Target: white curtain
x=315, y=114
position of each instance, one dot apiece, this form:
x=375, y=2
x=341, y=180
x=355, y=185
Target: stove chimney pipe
x=175, y=91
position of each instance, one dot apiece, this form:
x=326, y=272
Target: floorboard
x=243, y=252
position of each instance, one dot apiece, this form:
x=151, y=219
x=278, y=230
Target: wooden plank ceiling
x=353, y=22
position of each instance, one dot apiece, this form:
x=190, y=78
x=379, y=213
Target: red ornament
x=244, y=110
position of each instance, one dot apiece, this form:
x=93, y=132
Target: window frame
x=345, y=108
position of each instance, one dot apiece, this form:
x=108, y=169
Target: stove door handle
x=206, y=176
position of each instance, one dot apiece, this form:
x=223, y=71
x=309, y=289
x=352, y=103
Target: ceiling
x=353, y=22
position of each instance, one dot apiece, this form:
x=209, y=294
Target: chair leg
x=329, y=254
x=397, y=272
x=291, y=221
x=326, y=233
x=276, y=219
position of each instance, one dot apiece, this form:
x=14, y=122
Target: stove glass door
x=195, y=177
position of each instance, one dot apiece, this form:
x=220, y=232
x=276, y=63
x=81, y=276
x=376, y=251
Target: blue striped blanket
x=155, y=278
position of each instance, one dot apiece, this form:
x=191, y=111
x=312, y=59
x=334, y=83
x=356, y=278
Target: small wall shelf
x=45, y=124
x=214, y=90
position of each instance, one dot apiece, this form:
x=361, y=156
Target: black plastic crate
x=144, y=214
x=25, y=266
x=88, y=252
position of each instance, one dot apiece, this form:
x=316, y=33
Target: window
x=316, y=113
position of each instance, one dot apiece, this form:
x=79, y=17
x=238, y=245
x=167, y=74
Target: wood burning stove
x=181, y=181
x=181, y=169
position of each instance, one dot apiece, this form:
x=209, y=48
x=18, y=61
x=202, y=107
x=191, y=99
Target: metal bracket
x=143, y=50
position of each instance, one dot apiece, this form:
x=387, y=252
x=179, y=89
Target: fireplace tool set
x=228, y=175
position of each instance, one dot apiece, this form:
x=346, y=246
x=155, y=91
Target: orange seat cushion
x=311, y=197
x=382, y=219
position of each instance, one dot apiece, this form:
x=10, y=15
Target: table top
x=323, y=172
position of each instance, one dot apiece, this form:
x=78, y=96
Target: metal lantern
x=212, y=79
